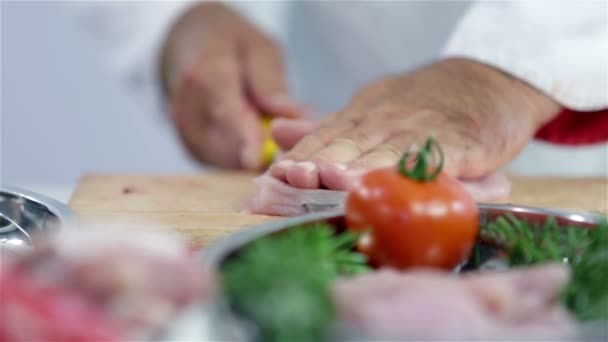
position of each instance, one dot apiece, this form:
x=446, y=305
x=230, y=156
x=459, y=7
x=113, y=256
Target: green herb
x=420, y=170
x=585, y=251
x=282, y=282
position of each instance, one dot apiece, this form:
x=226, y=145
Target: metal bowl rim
x=213, y=255
x=64, y=214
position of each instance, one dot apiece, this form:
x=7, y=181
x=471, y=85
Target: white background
x=63, y=114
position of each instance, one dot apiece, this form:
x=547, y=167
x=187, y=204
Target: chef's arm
x=559, y=48
x=128, y=36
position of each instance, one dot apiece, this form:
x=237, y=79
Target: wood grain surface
x=208, y=206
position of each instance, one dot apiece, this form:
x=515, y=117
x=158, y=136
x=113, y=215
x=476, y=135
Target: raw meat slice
x=98, y=285
x=274, y=197
x=428, y=305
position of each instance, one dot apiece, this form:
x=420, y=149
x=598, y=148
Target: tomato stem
x=421, y=171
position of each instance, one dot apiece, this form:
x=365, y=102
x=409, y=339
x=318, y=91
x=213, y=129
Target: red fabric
x=576, y=128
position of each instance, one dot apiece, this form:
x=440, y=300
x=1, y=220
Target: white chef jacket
x=335, y=47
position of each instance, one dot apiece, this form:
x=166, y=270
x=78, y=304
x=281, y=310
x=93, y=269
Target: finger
x=266, y=81
x=341, y=176
x=286, y=133
x=251, y=132
x=197, y=131
x=385, y=154
x=319, y=138
x=303, y=175
x=306, y=175
x=336, y=176
x=233, y=112
x=218, y=80
x=279, y=169
x=350, y=145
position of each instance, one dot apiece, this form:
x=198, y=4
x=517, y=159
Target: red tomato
x=412, y=223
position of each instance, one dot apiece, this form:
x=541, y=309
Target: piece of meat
x=98, y=285
x=276, y=198
x=429, y=305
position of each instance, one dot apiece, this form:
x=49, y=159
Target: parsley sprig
x=282, y=281
x=584, y=250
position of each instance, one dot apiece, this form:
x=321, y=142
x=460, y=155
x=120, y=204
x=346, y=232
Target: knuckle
x=362, y=137
x=389, y=149
x=313, y=140
x=347, y=144
x=304, y=146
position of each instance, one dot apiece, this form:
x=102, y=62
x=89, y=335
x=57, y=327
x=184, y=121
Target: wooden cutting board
x=207, y=207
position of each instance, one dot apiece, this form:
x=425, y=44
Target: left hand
x=481, y=117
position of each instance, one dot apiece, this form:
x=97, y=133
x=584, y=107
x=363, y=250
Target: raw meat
x=429, y=305
x=274, y=197
x=97, y=285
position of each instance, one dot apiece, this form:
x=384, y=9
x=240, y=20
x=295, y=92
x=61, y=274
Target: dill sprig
x=584, y=250
x=282, y=281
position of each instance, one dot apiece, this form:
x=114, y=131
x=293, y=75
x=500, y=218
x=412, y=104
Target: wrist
x=507, y=93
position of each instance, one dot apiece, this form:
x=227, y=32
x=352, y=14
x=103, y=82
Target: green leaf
x=586, y=250
x=281, y=282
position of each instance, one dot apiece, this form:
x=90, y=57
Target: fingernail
x=284, y=164
x=340, y=166
x=309, y=167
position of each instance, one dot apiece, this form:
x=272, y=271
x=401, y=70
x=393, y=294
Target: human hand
x=481, y=117
x=221, y=74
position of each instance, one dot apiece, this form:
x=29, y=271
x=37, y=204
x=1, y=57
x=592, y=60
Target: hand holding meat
x=481, y=116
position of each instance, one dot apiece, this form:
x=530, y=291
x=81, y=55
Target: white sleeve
x=561, y=48
x=130, y=35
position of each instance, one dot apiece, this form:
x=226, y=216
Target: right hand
x=221, y=75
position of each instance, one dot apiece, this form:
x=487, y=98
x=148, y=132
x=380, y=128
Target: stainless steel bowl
x=227, y=326
x=25, y=215
x=215, y=255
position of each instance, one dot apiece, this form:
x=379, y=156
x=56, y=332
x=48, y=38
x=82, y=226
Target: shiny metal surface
x=25, y=215
x=216, y=253
x=230, y=327
x=315, y=207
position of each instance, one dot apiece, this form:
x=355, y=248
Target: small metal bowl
x=228, y=325
x=25, y=215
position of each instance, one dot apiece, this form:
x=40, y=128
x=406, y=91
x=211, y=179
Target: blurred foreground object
x=513, y=305
x=98, y=285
